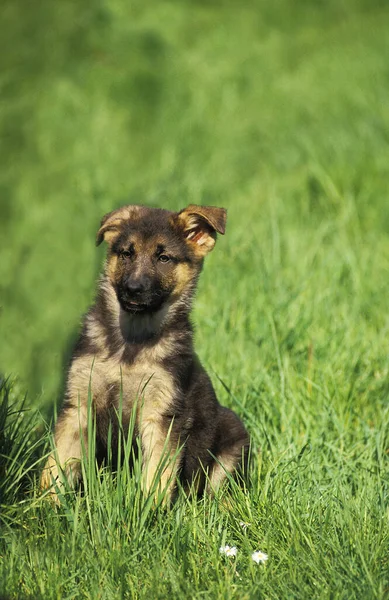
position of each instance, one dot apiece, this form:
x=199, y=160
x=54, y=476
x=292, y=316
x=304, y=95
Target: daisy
x=228, y=550
x=259, y=557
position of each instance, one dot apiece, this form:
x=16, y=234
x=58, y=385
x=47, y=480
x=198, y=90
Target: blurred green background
x=276, y=110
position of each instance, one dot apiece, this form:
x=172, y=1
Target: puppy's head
x=154, y=255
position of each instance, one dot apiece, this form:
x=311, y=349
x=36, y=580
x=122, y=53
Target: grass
x=277, y=111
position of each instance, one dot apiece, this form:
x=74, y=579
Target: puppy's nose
x=138, y=285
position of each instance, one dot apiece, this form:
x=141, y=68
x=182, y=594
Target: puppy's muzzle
x=137, y=286
x=137, y=295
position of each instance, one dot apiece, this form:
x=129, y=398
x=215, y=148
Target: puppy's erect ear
x=111, y=222
x=200, y=224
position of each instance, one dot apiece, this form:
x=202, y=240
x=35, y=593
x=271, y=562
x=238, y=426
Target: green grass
x=277, y=111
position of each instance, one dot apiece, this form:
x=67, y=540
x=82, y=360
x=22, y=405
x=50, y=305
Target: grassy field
x=279, y=112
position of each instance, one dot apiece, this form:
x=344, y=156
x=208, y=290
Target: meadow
x=279, y=112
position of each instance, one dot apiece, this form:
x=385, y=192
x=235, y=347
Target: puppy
x=136, y=352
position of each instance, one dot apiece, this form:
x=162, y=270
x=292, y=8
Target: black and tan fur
x=137, y=344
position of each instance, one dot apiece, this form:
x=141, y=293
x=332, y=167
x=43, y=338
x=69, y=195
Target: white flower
x=244, y=524
x=259, y=557
x=228, y=550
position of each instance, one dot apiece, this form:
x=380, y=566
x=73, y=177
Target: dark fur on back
x=137, y=340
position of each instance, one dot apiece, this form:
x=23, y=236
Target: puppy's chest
x=144, y=382
x=149, y=384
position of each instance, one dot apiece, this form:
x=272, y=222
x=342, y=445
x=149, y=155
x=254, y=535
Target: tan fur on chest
x=144, y=381
x=145, y=386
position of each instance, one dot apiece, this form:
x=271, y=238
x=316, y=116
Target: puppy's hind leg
x=65, y=461
x=232, y=450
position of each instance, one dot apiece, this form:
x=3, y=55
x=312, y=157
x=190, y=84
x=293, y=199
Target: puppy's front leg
x=159, y=458
x=66, y=460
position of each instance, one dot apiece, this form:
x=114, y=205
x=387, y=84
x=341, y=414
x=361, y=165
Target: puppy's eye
x=126, y=253
x=163, y=258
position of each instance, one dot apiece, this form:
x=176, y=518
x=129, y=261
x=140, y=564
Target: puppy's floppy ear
x=200, y=225
x=109, y=227
x=111, y=222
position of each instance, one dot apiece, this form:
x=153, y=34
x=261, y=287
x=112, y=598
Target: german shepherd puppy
x=136, y=351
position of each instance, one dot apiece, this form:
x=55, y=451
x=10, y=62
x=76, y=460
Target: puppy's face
x=155, y=255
